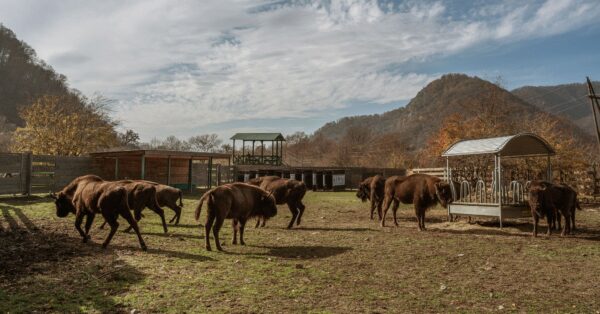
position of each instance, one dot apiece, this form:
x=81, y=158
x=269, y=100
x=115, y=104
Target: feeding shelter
x=496, y=198
x=250, y=156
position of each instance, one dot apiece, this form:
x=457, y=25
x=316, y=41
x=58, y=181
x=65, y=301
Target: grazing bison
x=424, y=191
x=372, y=188
x=285, y=191
x=237, y=201
x=88, y=196
x=550, y=200
x=140, y=195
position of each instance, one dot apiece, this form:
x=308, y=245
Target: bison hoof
x=208, y=248
x=144, y=248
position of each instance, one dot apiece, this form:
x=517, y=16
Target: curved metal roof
x=519, y=145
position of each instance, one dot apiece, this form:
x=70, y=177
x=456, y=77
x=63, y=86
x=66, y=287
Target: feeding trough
x=498, y=198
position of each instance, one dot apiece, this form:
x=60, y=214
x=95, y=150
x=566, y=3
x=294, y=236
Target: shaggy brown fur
x=92, y=196
x=237, y=201
x=372, y=188
x=550, y=200
x=140, y=195
x=286, y=191
x=424, y=191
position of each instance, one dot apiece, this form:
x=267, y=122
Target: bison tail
x=180, y=198
x=199, y=207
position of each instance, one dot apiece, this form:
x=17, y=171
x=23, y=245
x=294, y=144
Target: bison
x=90, y=195
x=550, y=200
x=372, y=189
x=168, y=196
x=424, y=191
x=285, y=191
x=141, y=195
x=237, y=201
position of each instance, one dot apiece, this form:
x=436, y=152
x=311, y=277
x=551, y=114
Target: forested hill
x=24, y=77
x=568, y=100
x=424, y=114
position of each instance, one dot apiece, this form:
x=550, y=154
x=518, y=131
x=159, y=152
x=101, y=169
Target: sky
x=214, y=66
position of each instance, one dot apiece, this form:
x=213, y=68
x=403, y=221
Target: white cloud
x=178, y=66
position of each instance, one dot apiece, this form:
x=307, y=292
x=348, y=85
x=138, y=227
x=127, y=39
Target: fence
x=26, y=173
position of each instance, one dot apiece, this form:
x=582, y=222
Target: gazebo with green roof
x=250, y=156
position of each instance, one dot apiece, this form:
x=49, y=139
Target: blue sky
x=213, y=66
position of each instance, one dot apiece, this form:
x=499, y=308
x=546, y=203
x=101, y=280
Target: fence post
x=28, y=168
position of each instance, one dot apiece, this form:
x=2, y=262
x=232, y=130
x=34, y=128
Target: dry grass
x=337, y=261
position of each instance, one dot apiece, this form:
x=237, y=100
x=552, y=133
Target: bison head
x=64, y=204
x=363, y=192
x=536, y=198
x=267, y=206
x=443, y=191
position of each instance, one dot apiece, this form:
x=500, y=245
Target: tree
x=65, y=125
x=173, y=143
x=129, y=139
x=205, y=142
x=6, y=134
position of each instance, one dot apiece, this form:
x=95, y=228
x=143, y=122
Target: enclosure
x=336, y=261
x=499, y=197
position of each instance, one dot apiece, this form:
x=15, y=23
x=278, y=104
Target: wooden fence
x=24, y=174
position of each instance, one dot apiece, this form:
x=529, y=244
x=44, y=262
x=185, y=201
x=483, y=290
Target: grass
x=337, y=261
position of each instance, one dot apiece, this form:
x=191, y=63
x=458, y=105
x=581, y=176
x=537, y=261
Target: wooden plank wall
x=11, y=174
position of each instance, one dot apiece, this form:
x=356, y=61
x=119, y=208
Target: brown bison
x=285, y=191
x=372, y=189
x=140, y=195
x=168, y=196
x=550, y=200
x=424, y=191
x=90, y=195
x=237, y=201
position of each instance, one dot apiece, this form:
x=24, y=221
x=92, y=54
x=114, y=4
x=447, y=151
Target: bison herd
x=89, y=195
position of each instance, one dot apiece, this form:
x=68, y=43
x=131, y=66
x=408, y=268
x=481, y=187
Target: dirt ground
x=337, y=261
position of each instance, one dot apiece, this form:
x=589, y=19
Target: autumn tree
x=68, y=125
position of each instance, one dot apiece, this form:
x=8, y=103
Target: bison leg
x=257, y=222
x=102, y=225
x=301, y=208
x=234, y=225
x=386, y=206
x=88, y=223
x=264, y=221
x=536, y=219
x=549, y=219
x=210, y=219
x=394, y=210
x=379, y=204
x=127, y=215
x=216, y=228
x=242, y=226
x=160, y=213
x=294, y=211
x=567, y=227
x=177, y=211
x=111, y=219
x=558, y=220
x=78, y=222
x=372, y=208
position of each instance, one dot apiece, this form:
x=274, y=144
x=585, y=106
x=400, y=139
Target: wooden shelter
x=249, y=155
x=498, y=198
x=184, y=170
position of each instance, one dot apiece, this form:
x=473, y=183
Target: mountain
x=24, y=77
x=451, y=94
x=568, y=100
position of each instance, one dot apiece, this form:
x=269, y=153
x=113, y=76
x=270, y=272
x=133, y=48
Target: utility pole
x=595, y=106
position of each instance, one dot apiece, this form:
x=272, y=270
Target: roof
x=258, y=137
x=519, y=145
x=159, y=153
